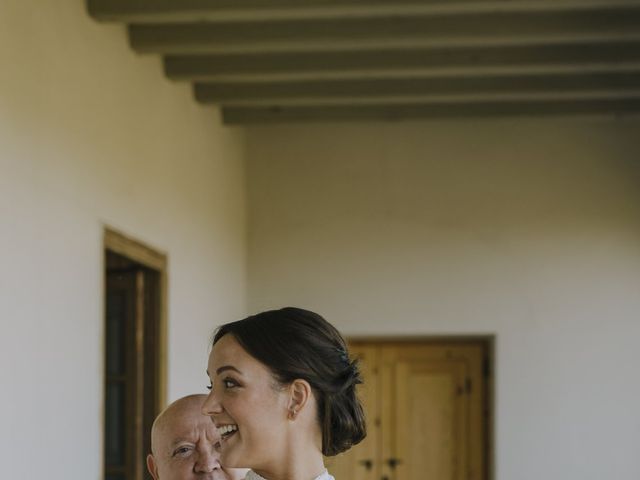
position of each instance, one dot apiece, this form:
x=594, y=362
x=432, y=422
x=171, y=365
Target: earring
x=292, y=413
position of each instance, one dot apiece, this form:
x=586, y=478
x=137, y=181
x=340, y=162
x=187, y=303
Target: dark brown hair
x=298, y=344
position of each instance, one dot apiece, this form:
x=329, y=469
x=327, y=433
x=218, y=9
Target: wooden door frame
x=139, y=252
x=488, y=343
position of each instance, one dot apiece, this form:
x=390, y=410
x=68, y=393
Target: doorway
x=428, y=409
x=135, y=293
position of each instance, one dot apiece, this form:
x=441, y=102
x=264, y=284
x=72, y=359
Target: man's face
x=183, y=446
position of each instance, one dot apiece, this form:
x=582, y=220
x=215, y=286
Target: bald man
x=182, y=444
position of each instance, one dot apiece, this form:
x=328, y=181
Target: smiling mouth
x=227, y=431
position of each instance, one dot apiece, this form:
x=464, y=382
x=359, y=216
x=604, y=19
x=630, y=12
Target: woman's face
x=248, y=409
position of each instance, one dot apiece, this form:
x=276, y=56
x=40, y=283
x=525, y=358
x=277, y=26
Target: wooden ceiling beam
x=289, y=93
x=425, y=110
x=514, y=28
x=389, y=63
x=163, y=11
x=327, y=60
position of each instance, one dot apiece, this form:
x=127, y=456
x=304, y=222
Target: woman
x=283, y=395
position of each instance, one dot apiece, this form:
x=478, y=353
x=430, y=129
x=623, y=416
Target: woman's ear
x=299, y=395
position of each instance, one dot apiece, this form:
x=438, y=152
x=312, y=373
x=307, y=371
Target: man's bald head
x=182, y=443
x=180, y=411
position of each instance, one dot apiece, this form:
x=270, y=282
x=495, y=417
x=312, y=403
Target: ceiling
x=325, y=60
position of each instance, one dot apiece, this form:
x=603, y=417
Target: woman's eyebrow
x=227, y=367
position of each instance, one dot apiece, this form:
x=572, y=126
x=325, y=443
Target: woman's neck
x=300, y=461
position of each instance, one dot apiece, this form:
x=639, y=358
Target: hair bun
x=350, y=377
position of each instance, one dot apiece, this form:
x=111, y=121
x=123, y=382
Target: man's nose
x=211, y=405
x=207, y=460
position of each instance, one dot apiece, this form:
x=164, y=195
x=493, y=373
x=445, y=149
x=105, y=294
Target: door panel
x=131, y=379
x=430, y=421
x=435, y=424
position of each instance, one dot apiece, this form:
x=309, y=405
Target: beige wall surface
x=91, y=134
x=528, y=230
x=524, y=229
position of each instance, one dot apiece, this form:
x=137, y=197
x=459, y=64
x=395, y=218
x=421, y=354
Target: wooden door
x=122, y=443
x=425, y=405
x=432, y=419
x=132, y=338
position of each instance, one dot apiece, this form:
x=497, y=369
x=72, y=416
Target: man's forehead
x=182, y=421
x=187, y=424
x=187, y=429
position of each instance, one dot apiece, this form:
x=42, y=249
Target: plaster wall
x=525, y=229
x=93, y=135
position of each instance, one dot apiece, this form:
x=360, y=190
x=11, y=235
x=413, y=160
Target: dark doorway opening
x=134, y=380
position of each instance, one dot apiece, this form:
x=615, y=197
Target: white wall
x=91, y=134
x=528, y=229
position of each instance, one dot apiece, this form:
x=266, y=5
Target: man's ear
x=152, y=467
x=299, y=395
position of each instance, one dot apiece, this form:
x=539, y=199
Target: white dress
x=251, y=475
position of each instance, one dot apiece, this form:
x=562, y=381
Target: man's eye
x=182, y=451
x=209, y=387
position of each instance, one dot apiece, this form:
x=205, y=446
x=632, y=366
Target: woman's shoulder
x=251, y=475
x=325, y=476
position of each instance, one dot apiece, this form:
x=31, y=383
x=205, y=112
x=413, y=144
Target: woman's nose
x=211, y=405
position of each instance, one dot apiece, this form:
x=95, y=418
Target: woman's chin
x=228, y=459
